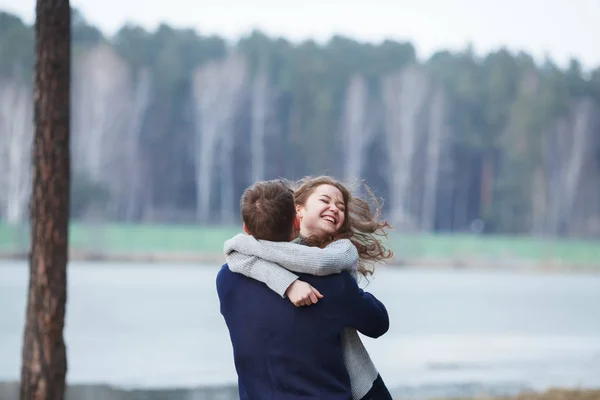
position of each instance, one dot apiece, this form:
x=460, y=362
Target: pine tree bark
x=44, y=363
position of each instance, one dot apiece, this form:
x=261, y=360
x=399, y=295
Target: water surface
x=159, y=326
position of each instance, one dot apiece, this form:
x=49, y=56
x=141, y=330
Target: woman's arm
x=274, y=276
x=277, y=278
x=338, y=256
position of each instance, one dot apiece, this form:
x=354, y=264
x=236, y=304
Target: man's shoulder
x=228, y=281
x=224, y=268
x=223, y=271
x=224, y=276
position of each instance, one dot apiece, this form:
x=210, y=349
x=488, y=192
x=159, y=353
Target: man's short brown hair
x=268, y=210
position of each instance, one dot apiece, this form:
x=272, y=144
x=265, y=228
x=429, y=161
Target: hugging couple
x=289, y=293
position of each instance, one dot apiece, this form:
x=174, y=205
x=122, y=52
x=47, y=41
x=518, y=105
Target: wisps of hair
x=361, y=225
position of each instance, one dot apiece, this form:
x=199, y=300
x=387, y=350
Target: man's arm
x=338, y=256
x=363, y=311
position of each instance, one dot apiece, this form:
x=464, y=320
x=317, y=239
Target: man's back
x=283, y=352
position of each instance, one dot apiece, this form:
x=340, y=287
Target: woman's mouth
x=330, y=219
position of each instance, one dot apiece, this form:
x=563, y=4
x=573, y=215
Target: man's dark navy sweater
x=283, y=352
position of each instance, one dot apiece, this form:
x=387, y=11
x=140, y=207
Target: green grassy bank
x=454, y=249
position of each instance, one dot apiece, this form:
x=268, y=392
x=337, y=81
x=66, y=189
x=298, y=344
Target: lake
x=135, y=325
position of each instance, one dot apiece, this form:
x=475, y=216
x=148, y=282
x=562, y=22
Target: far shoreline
x=212, y=258
x=9, y=390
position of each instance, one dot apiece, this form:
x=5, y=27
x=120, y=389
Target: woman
x=346, y=229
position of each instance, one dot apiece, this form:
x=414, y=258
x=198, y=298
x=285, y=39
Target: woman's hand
x=301, y=293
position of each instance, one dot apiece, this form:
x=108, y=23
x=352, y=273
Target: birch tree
x=404, y=96
x=217, y=89
x=436, y=140
x=108, y=112
x=16, y=133
x=260, y=106
x=357, y=131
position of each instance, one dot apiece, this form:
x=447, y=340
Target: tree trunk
x=44, y=354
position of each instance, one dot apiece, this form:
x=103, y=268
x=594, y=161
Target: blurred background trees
x=170, y=126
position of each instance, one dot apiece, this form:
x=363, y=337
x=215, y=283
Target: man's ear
x=246, y=229
x=298, y=211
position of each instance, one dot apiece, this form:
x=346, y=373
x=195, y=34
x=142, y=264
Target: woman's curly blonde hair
x=361, y=224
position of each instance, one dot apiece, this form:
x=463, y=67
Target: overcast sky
x=560, y=28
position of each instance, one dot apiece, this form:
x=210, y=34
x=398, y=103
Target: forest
x=170, y=126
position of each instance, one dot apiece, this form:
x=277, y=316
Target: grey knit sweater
x=272, y=263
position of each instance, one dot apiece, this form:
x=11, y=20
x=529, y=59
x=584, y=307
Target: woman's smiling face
x=323, y=213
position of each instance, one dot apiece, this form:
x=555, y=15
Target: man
x=284, y=352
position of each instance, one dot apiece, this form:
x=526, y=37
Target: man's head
x=269, y=212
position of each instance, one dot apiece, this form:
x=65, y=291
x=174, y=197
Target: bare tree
x=357, y=128
x=436, y=140
x=100, y=113
x=16, y=126
x=109, y=106
x=404, y=95
x=44, y=363
x=568, y=148
x=564, y=180
x=218, y=88
x=260, y=105
x=205, y=94
x=582, y=114
x=555, y=141
x=130, y=187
